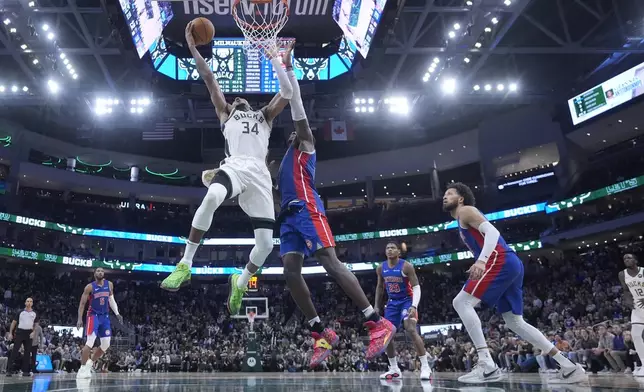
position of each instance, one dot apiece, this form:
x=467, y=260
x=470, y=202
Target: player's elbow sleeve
x=286, y=92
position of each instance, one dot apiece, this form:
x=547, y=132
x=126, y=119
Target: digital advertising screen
x=145, y=19
x=44, y=364
x=608, y=95
x=359, y=20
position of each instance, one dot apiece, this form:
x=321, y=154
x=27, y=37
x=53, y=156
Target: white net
x=260, y=21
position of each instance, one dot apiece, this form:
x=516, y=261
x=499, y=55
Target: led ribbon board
x=22, y=220
x=596, y=194
x=116, y=264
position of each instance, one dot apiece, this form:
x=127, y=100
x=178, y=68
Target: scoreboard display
x=252, y=284
x=236, y=70
x=240, y=71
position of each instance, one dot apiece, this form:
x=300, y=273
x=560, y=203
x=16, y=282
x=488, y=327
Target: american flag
x=161, y=131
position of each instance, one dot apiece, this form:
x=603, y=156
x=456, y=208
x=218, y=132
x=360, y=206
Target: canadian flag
x=337, y=131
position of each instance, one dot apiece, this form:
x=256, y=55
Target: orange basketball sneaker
x=380, y=334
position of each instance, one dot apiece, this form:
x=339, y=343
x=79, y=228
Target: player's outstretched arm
x=281, y=99
x=380, y=290
x=113, y=304
x=81, y=306
x=216, y=96
x=628, y=297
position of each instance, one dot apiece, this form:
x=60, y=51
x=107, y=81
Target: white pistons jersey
x=247, y=134
x=636, y=286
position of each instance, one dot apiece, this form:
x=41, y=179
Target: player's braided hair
x=464, y=191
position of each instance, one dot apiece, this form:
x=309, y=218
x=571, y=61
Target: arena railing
x=151, y=266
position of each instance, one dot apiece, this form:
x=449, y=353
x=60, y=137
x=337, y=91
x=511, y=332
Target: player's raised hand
x=476, y=270
x=286, y=57
x=190, y=39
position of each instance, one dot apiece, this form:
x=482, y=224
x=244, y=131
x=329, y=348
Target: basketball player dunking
x=496, y=278
x=632, y=279
x=403, y=292
x=304, y=231
x=100, y=294
x=243, y=173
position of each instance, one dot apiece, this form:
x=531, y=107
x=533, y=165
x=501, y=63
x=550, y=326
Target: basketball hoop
x=251, y=319
x=260, y=21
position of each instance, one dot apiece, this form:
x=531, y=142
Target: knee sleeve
x=463, y=301
x=214, y=197
x=105, y=343
x=263, y=246
x=90, y=340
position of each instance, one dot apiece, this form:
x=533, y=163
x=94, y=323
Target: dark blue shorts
x=305, y=232
x=99, y=324
x=501, y=284
x=396, y=311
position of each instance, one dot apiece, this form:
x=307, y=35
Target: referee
x=25, y=324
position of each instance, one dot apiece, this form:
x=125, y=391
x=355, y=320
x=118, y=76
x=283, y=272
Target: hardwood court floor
x=300, y=382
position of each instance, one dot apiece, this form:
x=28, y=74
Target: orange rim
x=247, y=25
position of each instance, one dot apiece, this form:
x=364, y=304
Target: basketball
x=203, y=31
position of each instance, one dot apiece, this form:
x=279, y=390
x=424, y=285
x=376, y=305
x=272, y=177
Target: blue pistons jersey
x=98, y=313
x=399, y=292
x=396, y=284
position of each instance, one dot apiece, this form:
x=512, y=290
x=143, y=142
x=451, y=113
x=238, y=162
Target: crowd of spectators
x=575, y=301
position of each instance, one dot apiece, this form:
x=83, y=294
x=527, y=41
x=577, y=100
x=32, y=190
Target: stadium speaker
x=180, y=48
x=315, y=50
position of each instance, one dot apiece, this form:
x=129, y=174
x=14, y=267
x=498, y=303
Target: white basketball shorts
x=251, y=180
x=637, y=316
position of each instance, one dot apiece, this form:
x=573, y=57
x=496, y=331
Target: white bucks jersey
x=636, y=285
x=247, y=134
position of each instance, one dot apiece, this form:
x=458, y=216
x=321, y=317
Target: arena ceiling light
x=513, y=87
x=477, y=87
x=7, y=22
x=45, y=27
x=2, y=88
x=105, y=105
x=32, y=4
x=53, y=86
x=13, y=30
x=397, y=105
x=457, y=26
x=14, y=89
x=139, y=105
x=449, y=85
x=507, y=3
x=488, y=29
x=364, y=105
x=452, y=34
x=495, y=20
x=469, y=3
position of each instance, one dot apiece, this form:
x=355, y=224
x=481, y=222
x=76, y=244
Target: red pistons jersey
x=296, y=180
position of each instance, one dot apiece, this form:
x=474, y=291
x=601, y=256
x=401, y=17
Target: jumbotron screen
x=359, y=20
x=146, y=20
x=608, y=95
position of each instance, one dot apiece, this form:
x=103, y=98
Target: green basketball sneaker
x=178, y=278
x=236, y=294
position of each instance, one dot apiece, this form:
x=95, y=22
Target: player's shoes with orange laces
x=380, y=334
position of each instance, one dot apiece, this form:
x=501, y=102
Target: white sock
x=484, y=355
x=314, y=320
x=368, y=311
x=189, y=253
x=393, y=363
x=564, y=362
x=242, y=281
x=423, y=360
